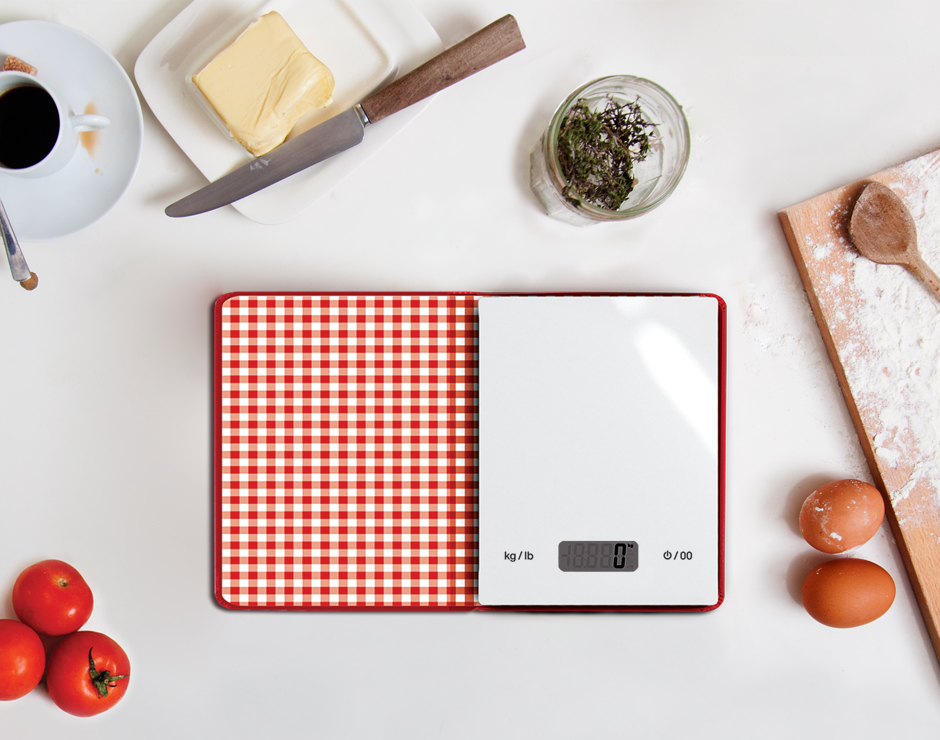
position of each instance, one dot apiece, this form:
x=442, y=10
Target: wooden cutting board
x=882, y=330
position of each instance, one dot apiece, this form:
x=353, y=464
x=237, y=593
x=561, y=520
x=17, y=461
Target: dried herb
x=597, y=150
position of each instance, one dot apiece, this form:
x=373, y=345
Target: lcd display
x=579, y=556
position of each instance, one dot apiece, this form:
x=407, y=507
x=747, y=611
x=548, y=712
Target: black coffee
x=29, y=126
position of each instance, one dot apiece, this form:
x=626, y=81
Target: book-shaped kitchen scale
x=469, y=451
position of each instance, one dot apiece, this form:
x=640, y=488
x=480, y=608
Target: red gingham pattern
x=346, y=451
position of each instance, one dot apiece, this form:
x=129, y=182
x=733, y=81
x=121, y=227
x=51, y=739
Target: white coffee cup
x=69, y=126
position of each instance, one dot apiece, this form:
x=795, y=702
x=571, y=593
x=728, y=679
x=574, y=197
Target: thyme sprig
x=598, y=148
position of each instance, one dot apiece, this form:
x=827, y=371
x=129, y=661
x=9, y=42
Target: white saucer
x=365, y=43
x=82, y=72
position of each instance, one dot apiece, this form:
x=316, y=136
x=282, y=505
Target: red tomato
x=22, y=659
x=87, y=673
x=52, y=598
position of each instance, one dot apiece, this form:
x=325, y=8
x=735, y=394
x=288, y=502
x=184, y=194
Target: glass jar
x=656, y=176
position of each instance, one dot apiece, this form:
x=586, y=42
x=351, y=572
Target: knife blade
x=482, y=49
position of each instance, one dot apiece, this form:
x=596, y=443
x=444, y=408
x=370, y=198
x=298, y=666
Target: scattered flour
x=890, y=333
x=794, y=338
x=779, y=323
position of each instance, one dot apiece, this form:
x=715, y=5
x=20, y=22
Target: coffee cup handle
x=89, y=122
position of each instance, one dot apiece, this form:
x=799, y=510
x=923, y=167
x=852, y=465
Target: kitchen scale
x=599, y=451
x=469, y=451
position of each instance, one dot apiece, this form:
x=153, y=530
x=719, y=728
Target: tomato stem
x=101, y=679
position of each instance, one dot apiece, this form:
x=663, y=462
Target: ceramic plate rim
x=132, y=136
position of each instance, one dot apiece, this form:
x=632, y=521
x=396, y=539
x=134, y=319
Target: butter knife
x=484, y=48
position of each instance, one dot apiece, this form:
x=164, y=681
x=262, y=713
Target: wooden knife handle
x=487, y=46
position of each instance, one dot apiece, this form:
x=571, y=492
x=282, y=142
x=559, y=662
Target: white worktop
x=106, y=441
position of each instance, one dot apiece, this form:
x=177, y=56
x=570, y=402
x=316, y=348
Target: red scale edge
x=251, y=570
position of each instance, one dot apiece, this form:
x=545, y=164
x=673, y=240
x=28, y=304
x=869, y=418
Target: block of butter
x=264, y=82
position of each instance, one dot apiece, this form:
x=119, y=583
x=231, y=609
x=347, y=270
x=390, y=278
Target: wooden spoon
x=883, y=230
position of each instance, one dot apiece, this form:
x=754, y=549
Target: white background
x=105, y=444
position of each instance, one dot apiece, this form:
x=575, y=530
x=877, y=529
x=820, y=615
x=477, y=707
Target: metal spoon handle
x=17, y=261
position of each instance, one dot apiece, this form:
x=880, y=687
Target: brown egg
x=841, y=515
x=847, y=592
